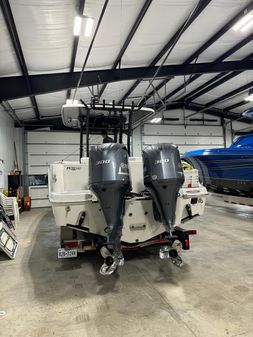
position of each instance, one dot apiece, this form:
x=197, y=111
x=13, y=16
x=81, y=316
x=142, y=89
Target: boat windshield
x=243, y=142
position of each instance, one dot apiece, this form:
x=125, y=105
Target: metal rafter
x=186, y=24
x=212, y=83
x=14, y=87
x=199, y=108
x=129, y=38
x=7, y=13
x=228, y=95
x=219, y=59
x=7, y=107
x=236, y=105
x=75, y=44
x=208, y=43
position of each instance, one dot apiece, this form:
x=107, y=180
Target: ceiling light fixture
x=247, y=25
x=156, y=120
x=70, y=101
x=83, y=23
x=77, y=26
x=88, y=25
x=244, y=23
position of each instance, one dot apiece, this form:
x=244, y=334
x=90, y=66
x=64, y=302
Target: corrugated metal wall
x=188, y=138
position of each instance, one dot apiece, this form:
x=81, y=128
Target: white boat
x=111, y=201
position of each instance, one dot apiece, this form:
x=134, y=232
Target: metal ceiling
x=41, y=57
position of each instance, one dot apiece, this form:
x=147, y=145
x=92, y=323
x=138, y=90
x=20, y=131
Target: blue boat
x=226, y=170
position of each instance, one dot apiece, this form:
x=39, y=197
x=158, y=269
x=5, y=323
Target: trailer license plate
x=66, y=253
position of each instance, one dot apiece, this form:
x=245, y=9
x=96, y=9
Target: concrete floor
x=212, y=295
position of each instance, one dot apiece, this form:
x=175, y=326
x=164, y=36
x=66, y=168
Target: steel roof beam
x=236, y=105
x=199, y=108
x=209, y=42
x=186, y=24
x=7, y=107
x=128, y=39
x=14, y=87
x=212, y=83
x=219, y=59
x=7, y=13
x=228, y=95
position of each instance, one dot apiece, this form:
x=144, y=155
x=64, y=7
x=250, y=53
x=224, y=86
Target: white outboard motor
x=109, y=180
x=163, y=177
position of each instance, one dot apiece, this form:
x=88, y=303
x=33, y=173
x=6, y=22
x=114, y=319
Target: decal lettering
x=73, y=168
x=104, y=161
x=162, y=161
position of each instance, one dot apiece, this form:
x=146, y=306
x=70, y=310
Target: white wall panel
x=54, y=138
x=6, y=142
x=152, y=129
x=38, y=169
x=38, y=160
x=191, y=137
x=53, y=149
x=184, y=140
x=39, y=196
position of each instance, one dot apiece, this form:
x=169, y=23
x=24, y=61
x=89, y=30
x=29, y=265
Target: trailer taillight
x=191, y=231
x=68, y=244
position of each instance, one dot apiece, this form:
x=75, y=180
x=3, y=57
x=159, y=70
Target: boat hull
x=224, y=172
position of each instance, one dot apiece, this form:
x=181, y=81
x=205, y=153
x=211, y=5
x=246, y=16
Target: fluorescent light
x=77, y=26
x=156, y=120
x=242, y=24
x=88, y=25
x=249, y=98
x=84, y=23
x=247, y=25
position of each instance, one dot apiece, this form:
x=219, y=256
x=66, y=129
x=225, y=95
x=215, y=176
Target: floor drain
x=2, y=313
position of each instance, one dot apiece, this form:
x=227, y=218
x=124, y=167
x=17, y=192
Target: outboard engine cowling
x=163, y=177
x=109, y=180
